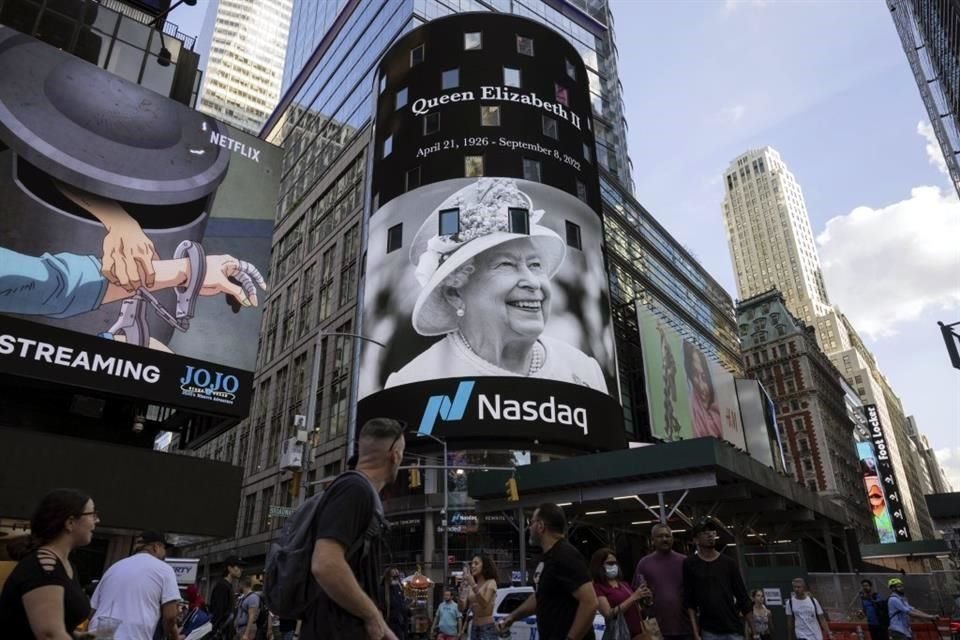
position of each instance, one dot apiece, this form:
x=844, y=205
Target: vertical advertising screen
x=876, y=499
x=887, y=480
x=689, y=395
x=134, y=238
x=758, y=416
x=484, y=273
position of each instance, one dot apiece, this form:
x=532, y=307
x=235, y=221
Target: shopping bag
x=616, y=629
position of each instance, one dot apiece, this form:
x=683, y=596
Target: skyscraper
x=930, y=33
x=245, y=64
x=769, y=233
x=307, y=355
x=772, y=246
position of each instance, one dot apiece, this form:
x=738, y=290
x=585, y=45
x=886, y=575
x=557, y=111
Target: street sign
x=276, y=511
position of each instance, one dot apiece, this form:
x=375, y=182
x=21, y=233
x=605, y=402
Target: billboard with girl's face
x=688, y=395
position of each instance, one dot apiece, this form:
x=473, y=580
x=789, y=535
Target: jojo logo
x=445, y=409
x=216, y=387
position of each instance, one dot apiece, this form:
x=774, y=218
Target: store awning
x=134, y=489
x=703, y=477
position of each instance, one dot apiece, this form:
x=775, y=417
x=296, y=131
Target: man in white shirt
x=805, y=617
x=140, y=591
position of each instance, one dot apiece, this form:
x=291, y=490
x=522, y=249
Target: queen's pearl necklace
x=536, y=356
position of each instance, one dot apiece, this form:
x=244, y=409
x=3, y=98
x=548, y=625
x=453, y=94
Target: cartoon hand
x=220, y=270
x=128, y=256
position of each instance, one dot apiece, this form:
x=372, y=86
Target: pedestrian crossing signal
x=513, y=495
x=414, y=480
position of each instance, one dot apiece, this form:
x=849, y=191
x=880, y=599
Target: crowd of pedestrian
x=335, y=586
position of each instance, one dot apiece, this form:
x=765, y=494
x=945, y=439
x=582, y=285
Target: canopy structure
x=676, y=482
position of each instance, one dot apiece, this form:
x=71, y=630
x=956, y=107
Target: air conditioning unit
x=291, y=455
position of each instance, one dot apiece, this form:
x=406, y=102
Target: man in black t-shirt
x=222, y=599
x=564, y=601
x=713, y=590
x=347, y=558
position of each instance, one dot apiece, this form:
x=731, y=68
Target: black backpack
x=289, y=586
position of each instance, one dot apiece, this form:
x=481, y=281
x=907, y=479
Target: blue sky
x=827, y=84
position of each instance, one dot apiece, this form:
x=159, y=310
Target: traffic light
x=513, y=495
x=414, y=481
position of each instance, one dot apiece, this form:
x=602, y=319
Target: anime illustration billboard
x=134, y=235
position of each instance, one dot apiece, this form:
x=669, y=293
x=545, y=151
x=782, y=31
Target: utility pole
x=446, y=505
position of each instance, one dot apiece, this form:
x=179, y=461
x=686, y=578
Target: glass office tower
x=306, y=355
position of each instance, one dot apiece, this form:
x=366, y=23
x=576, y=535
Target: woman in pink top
x=614, y=594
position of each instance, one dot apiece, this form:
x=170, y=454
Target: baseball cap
x=707, y=524
x=152, y=537
x=235, y=561
x=894, y=582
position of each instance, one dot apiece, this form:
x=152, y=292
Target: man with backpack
x=874, y=611
x=901, y=611
x=327, y=566
x=248, y=610
x=805, y=617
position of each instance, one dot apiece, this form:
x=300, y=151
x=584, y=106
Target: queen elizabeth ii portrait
x=485, y=266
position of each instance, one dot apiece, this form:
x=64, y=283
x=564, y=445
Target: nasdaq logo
x=445, y=408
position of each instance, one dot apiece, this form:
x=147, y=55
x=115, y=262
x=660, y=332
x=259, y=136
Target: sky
x=827, y=84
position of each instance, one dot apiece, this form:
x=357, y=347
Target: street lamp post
x=312, y=400
x=446, y=505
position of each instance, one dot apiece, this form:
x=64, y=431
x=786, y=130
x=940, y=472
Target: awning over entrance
x=134, y=489
x=682, y=480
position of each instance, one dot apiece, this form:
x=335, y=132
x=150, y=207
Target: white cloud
x=934, y=154
x=734, y=113
x=886, y=266
x=732, y=5
x=949, y=460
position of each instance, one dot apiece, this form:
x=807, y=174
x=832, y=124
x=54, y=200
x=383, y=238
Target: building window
x=394, y=237
x=560, y=93
x=550, y=127
x=413, y=178
x=387, y=146
x=383, y=82
x=401, y=99
x=531, y=170
x=511, y=77
x=449, y=221
x=473, y=166
x=525, y=46
x=473, y=40
x=489, y=116
x=581, y=191
x=431, y=123
x=519, y=220
x=571, y=70
x=417, y=55
x=450, y=78
x=587, y=152
x=573, y=235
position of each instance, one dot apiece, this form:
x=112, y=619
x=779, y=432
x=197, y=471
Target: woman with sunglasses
x=43, y=598
x=614, y=594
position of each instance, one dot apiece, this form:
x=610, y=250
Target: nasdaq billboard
x=135, y=235
x=484, y=270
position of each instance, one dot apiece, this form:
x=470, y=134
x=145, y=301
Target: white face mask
x=612, y=571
